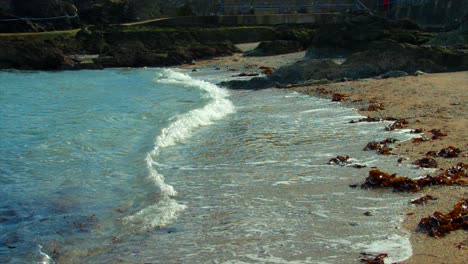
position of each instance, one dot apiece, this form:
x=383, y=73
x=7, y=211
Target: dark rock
x=32, y=55
x=275, y=47
x=393, y=74
x=354, y=32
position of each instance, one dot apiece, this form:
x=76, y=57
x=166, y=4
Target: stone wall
x=430, y=12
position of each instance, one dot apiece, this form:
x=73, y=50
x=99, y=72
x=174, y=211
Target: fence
x=39, y=18
x=280, y=7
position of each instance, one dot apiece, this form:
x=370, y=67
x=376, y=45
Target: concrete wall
x=430, y=12
x=248, y=20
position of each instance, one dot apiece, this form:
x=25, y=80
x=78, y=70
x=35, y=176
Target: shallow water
x=154, y=166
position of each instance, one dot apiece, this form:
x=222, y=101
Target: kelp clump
x=398, y=124
x=381, y=147
x=369, y=259
x=453, y=176
x=423, y=200
x=448, y=152
x=438, y=224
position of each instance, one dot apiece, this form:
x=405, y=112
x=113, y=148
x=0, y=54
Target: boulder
x=275, y=47
x=383, y=57
x=32, y=55
x=355, y=31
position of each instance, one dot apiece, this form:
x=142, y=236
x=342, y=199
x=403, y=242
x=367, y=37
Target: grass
x=40, y=36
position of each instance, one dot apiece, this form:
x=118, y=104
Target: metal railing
x=38, y=18
x=300, y=8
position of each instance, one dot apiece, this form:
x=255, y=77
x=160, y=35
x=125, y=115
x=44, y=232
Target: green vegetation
x=41, y=36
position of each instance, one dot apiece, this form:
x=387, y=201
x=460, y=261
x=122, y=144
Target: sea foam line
x=167, y=209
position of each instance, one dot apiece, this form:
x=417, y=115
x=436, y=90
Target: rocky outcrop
x=136, y=54
x=275, y=47
x=380, y=58
x=32, y=55
x=357, y=30
x=459, y=36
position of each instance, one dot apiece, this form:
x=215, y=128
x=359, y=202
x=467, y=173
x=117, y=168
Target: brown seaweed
x=367, y=119
x=246, y=75
x=375, y=107
x=336, y=97
x=448, y=152
x=438, y=224
x=437, y=134
x=381, y=147
x=423, y=200
x=398, y=124
x=453, y=176
x=267, y=70
x=369, y=259
x=426, y=163
x=339, y=160
x=417, y=131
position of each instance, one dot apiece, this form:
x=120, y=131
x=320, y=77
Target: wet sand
x=428, y=101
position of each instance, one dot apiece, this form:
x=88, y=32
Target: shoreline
x=428, y=101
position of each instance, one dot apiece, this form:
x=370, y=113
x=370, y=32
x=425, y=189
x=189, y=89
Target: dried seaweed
x=423, y=200
x=367, y=119
x=336, y=97
x=381, y=147
x=426, y=163
x=448, y=152
x=438, y=224
x=453, y=176
x=267, y=70
x=245, y=75
x=369, y=259
x=339, y=160
x=374, y=107
x=417, y=131
x=398, y=124
x=437, y=134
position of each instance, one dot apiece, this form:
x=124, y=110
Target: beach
x=427, y=102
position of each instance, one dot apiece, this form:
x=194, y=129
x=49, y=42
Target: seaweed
x=437, y=134
x=398, y=124
x=452, y=176
x=369, y=259
x=381, y=147
x=245, y=75
x=337, y=97
x=419, y=139
x=367, y=119
x=426, y=163
x=423, y=200
x=374, y=107
x=339, y=160
x=438, y=224
x=417, y=131
x=448, y=152
x=267, y=70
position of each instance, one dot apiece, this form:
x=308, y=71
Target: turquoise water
x=156, y=166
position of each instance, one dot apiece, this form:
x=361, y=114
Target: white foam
x=155, y=216
x=397, y=247
x=44, y=258
x=167, y=209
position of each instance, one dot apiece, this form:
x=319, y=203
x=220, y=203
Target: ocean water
x=163, y=166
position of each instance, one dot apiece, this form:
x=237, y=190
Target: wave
x=167, y=209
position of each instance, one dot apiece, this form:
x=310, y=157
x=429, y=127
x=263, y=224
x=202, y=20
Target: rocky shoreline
x=372, y=45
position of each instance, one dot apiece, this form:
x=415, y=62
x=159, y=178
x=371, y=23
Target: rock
x=418, y=73
x=382, y=57
x=269, y=48
x=355, y=31
x=393, y=74
x=32, y=55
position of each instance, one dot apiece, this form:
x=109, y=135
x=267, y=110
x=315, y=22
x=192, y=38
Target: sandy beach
x=427, y=101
